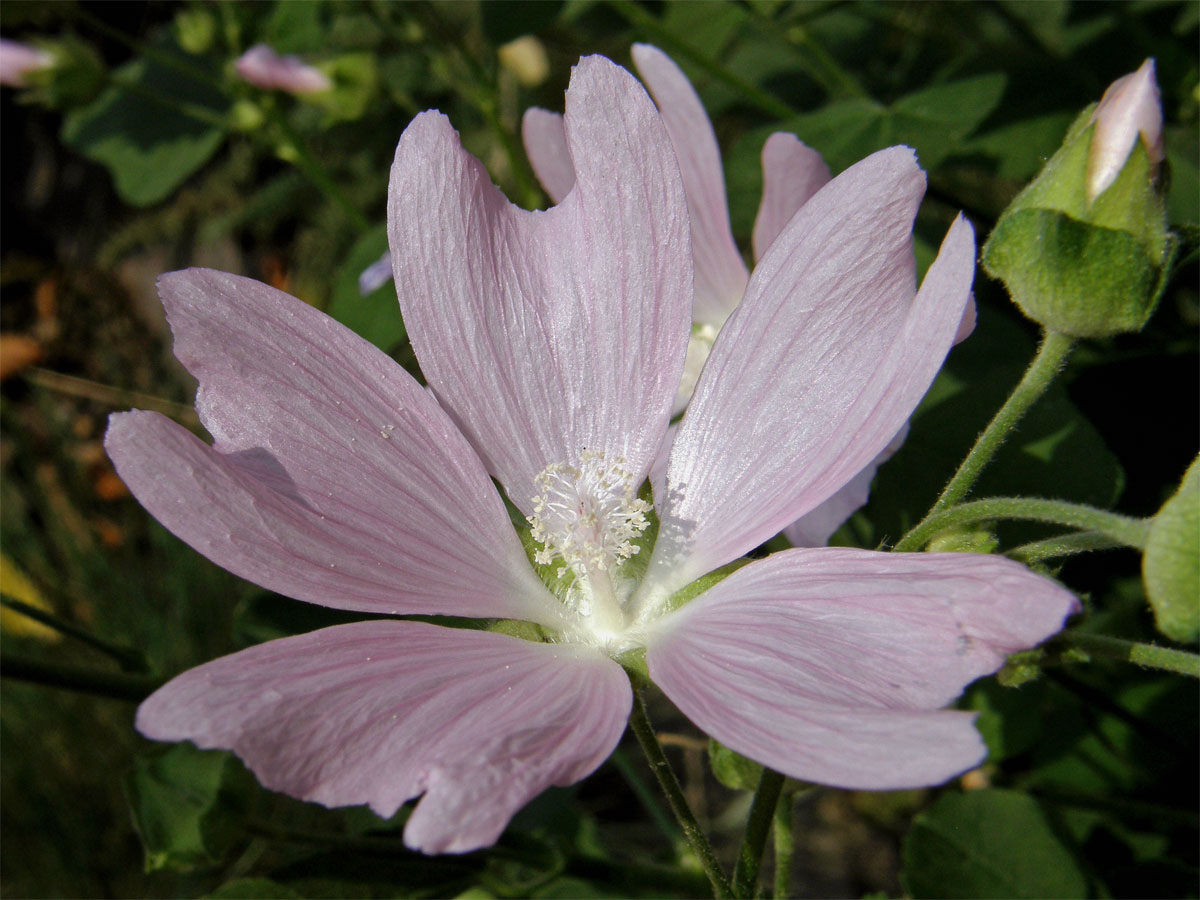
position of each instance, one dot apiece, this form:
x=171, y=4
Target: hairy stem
x=758, y=824
x=117, y=685
x=1123, y=530
x=785, y=845
x=129, y=660
x=1046, y=364
x=1181, y=662
x=1063, y=545
x=639, y=723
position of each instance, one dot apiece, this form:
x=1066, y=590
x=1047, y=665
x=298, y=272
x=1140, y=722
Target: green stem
x=650, y=26
x=1150, y=656
x=117, y=685
x=129, y=660
x=163, y=58
x=1063, y=545
x=785, y=845
x=315, y=172
x=758, y=824
x=639, y=723
x=1123, y=530
x=818, y=62
x=1046, y=364
x=202, y=114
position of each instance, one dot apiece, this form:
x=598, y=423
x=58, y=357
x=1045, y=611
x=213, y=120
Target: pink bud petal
x=18, y=60
x=1131, y=106
x=264, y=68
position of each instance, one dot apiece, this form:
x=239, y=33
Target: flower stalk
x=1046, y=364
x=1148, y=656
x=758, y=824
x=639, y=723
x=1126, y=531
x=785, y=845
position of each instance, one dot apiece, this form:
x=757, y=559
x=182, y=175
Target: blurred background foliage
x=147, y=153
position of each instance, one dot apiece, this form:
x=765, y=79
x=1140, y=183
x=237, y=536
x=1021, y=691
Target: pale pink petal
x=334, y=478
x=262, y=67
x=376, y=275
x=1131, y=107
x=546, y=146
x=815, y=528
x=546, y=334
x=792, y=173
x=378, y=712
x=815, y=372
x=966, y=324
x=17, y=60
x=720, y=273
x=830, y=665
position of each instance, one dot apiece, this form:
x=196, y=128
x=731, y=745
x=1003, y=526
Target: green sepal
x=970, y=539
x=1074, y=278
x=76, y=77
x=519, y=628
x=634, y=663
x=1078, y=266
x=1022, y=668
x=740, y=773
x=686, y=595
x=1171, y=564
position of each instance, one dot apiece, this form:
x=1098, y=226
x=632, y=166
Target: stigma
x=587, y=518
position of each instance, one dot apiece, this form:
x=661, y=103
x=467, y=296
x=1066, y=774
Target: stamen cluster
x=587, y=516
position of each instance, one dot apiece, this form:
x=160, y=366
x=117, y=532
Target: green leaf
x=935, y=121
x=1022, y=148
x=376, y=316
x=185, y=805
x=989, y=843
x=504, y=20
x=297, y=27
x=1171, y=566
x=146, y=141
x=1010, y=719
x=252, y=889
x=1183, y=160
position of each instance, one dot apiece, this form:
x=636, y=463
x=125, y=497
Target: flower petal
x=829, y=665
x=792, y=173
x=720, y=273
x=334, y=478
x=815, y=372
x=816, y=527
x=545, y=139
x=379, y=712
x=549, y=333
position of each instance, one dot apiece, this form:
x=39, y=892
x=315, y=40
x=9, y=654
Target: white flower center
x=587, y=517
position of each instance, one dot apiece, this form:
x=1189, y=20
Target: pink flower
x=264, y=68
x=17, y=60
x=792, y=173
x=1129, y=108
x=554, y=342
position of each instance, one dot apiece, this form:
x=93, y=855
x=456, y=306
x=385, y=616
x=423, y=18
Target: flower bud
x=264, y=68
x=526, y=58
x=17, y=61
x=195, y=29
x=1083, y=249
